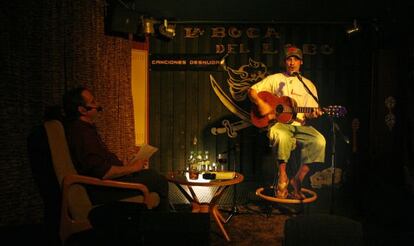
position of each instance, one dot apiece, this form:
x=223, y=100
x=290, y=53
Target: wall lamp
x=161, y=29
x=147, y=25
x=167, y=30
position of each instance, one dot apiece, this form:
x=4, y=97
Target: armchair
x=75, y=202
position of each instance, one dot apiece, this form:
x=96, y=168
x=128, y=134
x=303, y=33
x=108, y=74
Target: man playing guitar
x=286, y=135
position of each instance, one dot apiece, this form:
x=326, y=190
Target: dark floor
x=384, y=212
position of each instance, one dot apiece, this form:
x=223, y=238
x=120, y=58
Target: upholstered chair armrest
x=71, y=179
x=76, y=204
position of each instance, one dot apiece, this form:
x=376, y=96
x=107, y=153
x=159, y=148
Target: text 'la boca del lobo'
x=266, y=35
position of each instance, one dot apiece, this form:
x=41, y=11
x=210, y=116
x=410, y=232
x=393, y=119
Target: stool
x=311, y=196
x=292, y=164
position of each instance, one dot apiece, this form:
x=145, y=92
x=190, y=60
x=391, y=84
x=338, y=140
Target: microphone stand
x=235, y=210
x=335, y=129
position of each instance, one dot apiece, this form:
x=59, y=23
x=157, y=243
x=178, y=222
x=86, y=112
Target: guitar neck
x=304, y=109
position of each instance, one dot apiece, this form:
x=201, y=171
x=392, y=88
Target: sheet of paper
x=145, y=152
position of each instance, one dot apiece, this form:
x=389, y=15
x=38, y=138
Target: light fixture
x=147, y=25
x=167, y=30
x=354, y=29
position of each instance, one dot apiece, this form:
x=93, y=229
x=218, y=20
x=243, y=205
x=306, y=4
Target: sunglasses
x=89, y=108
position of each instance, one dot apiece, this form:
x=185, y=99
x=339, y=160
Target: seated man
x=92, y=158
x=286, y=136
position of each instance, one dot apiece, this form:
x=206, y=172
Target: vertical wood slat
x=179, y=123
x=191, y=113
x=155, y=117
x=167, y=121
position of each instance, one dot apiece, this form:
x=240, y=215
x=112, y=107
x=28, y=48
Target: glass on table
x=213, y=167
x=222, y=160
x=193, y=172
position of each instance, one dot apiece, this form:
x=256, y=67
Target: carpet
x=252, y=225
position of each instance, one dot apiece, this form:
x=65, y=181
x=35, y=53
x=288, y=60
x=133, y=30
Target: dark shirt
x=90, y=155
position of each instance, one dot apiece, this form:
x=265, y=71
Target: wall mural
x=239, y=82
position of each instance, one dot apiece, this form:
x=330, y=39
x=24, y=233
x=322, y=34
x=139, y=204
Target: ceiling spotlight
x=147, y=25
x=354, y=29
x=167, y=30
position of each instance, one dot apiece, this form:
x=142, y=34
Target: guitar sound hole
x=279, y=109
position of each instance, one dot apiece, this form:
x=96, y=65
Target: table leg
x=211, y=207
x=195, y=207
x=214, y=200
x=219, y=219
x=216, y=213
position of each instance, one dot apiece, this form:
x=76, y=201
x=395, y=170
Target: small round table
x=180, y=179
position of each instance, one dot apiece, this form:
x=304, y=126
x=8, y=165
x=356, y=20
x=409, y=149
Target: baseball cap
x=293, y=51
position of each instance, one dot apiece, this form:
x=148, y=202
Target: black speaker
x=123, y=20
x=321, y=230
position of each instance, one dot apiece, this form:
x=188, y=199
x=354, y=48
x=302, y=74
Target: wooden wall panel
x=190, y=108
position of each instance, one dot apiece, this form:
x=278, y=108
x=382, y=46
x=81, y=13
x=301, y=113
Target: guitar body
x=283, y=110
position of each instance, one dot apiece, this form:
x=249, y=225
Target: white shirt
x=281, y=84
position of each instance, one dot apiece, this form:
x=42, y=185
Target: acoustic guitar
x=285, y=110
